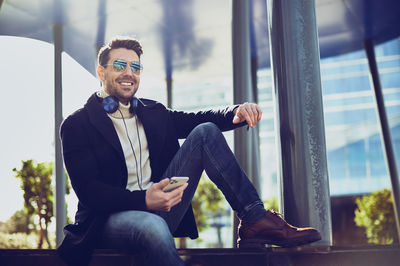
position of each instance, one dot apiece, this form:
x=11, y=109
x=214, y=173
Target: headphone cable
x=140, y=149
x=134, y=154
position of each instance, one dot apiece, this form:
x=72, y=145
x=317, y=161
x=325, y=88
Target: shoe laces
x=280, y=215
x=281, y=218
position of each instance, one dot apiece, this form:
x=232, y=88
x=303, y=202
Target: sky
x=26, y=75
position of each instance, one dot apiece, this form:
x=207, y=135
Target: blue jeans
x=204, y=149
x=140, y=232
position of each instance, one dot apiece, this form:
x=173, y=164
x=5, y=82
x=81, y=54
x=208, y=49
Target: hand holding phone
x=175, y=182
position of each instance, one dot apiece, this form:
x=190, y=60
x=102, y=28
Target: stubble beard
x=112, y=90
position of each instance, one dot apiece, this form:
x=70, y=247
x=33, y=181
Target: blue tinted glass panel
x=337, y=162
x=376, y=157
x=357, y=160
x=390, y=80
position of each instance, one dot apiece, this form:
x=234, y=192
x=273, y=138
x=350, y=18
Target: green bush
x=24, y=241
x=18, y=241
x=36, y=182
x=271, y=204
x=19, y=222
x=375, y=213
x=208, y=199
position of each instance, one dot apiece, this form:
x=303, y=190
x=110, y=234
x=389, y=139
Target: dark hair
x=118, y=42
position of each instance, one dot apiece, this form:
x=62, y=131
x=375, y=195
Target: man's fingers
x=259, y=112
x=242, y=114
x=174, y=201
x=177, y=191
x=157, y=199
x=163, y=183
x=254, y=114
x=250, y=112
x=174, y=197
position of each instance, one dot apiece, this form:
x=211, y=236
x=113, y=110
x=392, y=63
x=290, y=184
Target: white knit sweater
x=131, y=128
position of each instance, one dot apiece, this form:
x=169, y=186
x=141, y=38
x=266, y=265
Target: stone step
x=372, y=255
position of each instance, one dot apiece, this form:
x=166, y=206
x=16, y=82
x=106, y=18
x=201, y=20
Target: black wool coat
x=96, y=166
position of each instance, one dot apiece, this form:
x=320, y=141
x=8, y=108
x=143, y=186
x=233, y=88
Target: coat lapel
x=99, y=119
x=154, y=122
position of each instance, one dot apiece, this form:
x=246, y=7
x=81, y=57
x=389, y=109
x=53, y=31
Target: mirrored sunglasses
x=119, y=65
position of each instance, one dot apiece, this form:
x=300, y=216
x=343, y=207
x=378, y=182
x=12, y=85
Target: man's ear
x=100, y=73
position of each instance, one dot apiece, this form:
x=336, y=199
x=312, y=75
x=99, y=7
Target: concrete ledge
x=373, y=255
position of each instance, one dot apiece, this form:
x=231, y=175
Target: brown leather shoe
x=273, y=230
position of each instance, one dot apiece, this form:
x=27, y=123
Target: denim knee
x=153, y=229
x=207, y=129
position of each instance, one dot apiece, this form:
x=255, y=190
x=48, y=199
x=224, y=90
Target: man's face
x=124, y=84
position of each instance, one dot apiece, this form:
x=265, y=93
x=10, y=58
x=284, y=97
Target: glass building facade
x=356, y=161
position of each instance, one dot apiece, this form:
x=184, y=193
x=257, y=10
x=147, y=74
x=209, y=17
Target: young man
x=120, y=152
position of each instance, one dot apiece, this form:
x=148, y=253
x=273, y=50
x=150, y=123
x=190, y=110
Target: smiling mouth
x=126, y=83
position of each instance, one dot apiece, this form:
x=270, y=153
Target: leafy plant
x=271, y=204
x=38, y=195
x=17, y=240
x=207, y=200
x=375, y=213
x=19, y=222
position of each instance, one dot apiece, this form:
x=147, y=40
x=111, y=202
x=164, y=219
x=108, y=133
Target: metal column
x=101, y=26
x=385, y=130
x=58, y=117
x=300, y=122
x=246, y=142
x=169, y=92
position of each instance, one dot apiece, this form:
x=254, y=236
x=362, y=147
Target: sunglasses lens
x=119, y=65
x=136, y=67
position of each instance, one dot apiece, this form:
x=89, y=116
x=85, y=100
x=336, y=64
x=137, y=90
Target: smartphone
x=175, y=182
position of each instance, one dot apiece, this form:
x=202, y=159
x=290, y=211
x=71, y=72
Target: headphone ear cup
x=134, y=105
x=110, y=104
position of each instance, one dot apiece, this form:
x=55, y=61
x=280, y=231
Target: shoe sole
x=255, y=243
